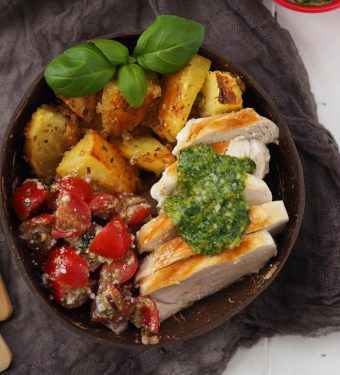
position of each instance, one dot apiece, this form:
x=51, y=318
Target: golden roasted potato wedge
x=220, y=93
x=85, y=107
x=52, y=130
x=118, y=116
x=179, y=92
x=146, y=152
x=82, y=106
x=100, y=163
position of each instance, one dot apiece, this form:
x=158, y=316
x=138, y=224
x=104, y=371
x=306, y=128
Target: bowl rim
x=309, y=8
x=48, y=307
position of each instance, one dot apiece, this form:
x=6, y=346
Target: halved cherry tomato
x=74, y=185
x=121, y=270
x=51, y=200
x=111, y=308
x=36, y=234
x=113, y=241
x=104, y=205
x=68, y=277
x=28, y=198
x=146, y=315
x=134, y=208
x=140, y=214
x=43, y=219
x=73, y=215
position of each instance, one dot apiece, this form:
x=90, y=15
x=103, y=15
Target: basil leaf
x=79, y=71
x=132, y=84
x=114, y=51
x=168, y=44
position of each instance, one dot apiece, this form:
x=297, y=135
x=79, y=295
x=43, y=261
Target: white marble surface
x=317, y=37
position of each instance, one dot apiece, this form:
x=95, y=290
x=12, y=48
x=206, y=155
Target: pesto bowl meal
x=150, y=188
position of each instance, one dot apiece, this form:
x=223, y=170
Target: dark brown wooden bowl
x=285, y=181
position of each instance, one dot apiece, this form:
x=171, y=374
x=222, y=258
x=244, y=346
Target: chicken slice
x=154, y=233
x=207, y=130
x=256, y=191
x=270, y=216
x=165, y=185
x=179, y=285
x=253, y=149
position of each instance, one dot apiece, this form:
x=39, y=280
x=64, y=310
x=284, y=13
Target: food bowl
x=285, y=181
x=310, y=8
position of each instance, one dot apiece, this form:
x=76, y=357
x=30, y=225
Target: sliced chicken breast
x=246, y=123
x=254, y=149
x=270, y=216
x=256, y=191
x=154, y=233
x=165, y=185
x=179, y=285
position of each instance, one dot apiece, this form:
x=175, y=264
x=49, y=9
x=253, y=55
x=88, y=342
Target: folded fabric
x=304, y=299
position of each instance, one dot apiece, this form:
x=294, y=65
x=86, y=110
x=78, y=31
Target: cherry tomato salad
x=83, y=243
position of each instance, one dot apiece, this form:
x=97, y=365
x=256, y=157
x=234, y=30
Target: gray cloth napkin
x=304, y=299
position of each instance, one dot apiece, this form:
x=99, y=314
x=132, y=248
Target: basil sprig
x=79, y=71
x=132, y=84
x=165, y=47
x=168, y=44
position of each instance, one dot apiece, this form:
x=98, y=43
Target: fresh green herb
x=85, y=241
x=132, y=84
x=168, y=44
x=165, y=47
x=79, y=71
x=210, y=211
x=114, y=51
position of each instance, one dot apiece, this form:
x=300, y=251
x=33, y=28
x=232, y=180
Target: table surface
x=317, y=37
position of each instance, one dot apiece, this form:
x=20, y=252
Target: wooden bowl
x=285, y=181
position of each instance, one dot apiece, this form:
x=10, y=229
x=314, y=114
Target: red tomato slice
x=134, y=209
x=121, y=270
x=146, y=315
x=43, y=219
x=74, y=185
x=36, y=235
x=28, y=198
x=73, y=215
x=104, y=205
x=113, y=241
x=111, y=308
x=140, y=213
x=51, y=200
x=67, y=272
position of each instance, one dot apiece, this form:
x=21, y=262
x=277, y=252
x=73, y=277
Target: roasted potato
x=52, y=130
x=118, y=117
x=179, y=92
x=146, y=152
x=100, y=163
x=220, y=93
x=85, y=107
x=82, y=106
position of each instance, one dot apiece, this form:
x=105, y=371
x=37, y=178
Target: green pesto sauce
x=210, y=211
